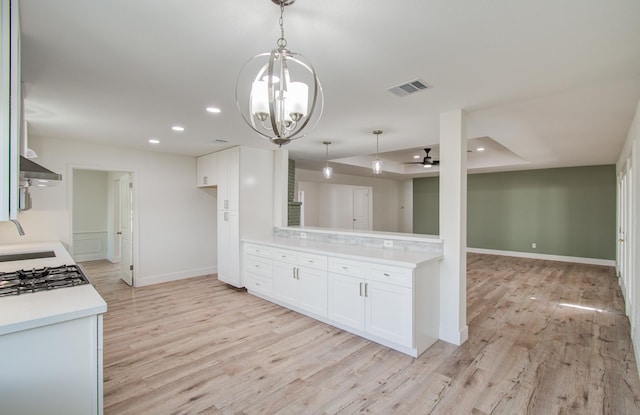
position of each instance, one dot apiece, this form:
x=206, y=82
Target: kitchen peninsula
x=379, y=285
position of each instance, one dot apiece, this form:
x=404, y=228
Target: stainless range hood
x=36, y=175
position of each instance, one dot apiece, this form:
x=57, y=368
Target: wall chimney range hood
x=35, y=175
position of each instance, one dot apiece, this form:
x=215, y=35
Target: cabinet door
x=229, y=248
x=346, y=301
x=389, y=312
x=207, y=170
x=312, y=290
x=229, y=179
x=285, y=284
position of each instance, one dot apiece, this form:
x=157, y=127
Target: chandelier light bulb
x=327, y=171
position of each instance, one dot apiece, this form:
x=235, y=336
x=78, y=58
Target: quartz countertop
x=386, y=256
x=368, y=234
x=31, y=310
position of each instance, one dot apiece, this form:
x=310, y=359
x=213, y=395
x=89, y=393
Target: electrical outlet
x=303, y=235
x=534, y=245
x=388, y=243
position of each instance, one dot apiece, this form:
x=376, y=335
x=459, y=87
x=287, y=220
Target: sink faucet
x=20, y=230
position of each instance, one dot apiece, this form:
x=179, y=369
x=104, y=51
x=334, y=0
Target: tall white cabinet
x=244, y=180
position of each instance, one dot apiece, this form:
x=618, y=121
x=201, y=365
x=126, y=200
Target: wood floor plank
x=544, y=338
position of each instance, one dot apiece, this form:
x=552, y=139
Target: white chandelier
x=285, y=98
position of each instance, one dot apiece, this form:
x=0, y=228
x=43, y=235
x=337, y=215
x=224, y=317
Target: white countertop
x=377, y=255
x=368, y=234
x=30, y=310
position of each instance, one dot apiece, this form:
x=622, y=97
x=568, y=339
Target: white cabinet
x=244, y=177
x=258, y=275
x=228, y=251
x=229, y=179
x=207, y=170
x=10, y=108
x=300, y=280
x=360, y=299
x=392, y=305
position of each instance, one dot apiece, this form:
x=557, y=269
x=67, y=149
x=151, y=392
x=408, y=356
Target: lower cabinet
x=392, y=305
x=381, y=309
x=229, y=247
x=300, y=286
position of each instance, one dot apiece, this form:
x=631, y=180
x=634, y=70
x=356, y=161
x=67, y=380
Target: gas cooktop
x=41, y=279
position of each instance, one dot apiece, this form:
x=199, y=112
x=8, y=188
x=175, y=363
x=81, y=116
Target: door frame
x=135, y=228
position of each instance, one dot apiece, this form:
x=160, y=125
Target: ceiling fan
x=427, y=161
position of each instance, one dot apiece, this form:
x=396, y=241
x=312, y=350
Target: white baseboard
x=456, y=337
x=173, y=276
x=533, y=255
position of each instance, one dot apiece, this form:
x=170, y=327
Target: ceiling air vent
x=409, y=88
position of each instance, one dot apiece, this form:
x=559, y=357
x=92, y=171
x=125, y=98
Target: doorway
x=625, y=252
x=103, y=219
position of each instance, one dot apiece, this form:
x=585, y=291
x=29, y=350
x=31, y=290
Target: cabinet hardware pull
x=366, y=291
x=360, y=289
x=386, y=275
x=293, y=271
x=345, y=268
x=297, y=273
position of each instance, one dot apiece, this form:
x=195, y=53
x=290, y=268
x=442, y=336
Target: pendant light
x=377, y=163
x=327, y=171
x=278, y=94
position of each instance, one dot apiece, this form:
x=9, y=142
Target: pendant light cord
x=282, y=42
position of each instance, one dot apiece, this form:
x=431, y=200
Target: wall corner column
x=453, y=227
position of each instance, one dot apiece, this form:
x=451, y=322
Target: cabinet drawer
x=391, y=275
x=312, y=261
x=259, y=283
x=285, y=256
x=346, y=267
x=258, y=250
x=257, y=265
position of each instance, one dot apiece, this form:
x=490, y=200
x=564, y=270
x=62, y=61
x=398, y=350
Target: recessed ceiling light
x=427, y=166
x=177, y=128
x=154, y=141
x=480, y=149
x=220, y=140
x=214, y=110
x=416, y=156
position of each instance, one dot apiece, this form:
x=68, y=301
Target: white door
x=312, y=290
x=389, y=312
x=126, y=229
x=361, y=205
x=346, y=300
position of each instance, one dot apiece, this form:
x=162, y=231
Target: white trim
x=174, y=276
x=533, y=255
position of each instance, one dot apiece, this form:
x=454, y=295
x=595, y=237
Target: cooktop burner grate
x=41, y=279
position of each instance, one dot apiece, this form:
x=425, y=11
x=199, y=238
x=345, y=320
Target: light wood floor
x=200, y=347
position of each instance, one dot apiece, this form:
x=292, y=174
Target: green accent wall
x=565, y=211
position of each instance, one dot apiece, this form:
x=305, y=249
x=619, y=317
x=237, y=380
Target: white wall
x=385, y=196
x=90, y=214
x=632, y=291
x=176, y=221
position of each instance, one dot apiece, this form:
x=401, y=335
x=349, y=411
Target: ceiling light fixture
x=327, y=171
x=377, y=163
x=154, y=141
x=214, y=110
x=278, y=94
x=177, y=128
x=480, y=149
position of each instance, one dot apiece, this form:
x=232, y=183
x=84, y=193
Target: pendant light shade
x=327, y=171
x=278, y=94
x=377, y=163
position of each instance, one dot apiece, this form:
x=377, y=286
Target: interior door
x=361, y=211
x=126, y=229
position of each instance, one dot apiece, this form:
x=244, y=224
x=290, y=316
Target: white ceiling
x=552, y=83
